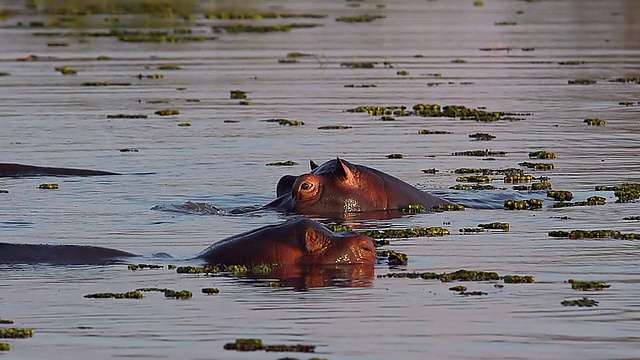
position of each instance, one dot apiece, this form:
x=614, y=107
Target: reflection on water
x=52, y=119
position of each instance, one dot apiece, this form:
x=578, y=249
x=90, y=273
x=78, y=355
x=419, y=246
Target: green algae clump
x=588, y=285
x=537, y=166
x=595, y=122
x=16, y=333
x=136, y=294
x=283, y=163
x=181, y=295
x=447, y=207
x=407, y=233
x=559, y=195
x=334, y=127
x=624, y=192
x=518, y=279
x=167, y=112
x=530, y=204
x=49, y=186
x=495, y=226
x=475, y=179
x=5, y=347
x=542, y=154
x=210, y=291
x=482, y=136
x=584, y=302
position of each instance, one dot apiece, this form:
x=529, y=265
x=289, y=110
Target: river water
x=513, y=52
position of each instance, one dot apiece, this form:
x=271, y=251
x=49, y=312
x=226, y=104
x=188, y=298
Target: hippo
x=21, y=170
x=341, y=188
x=298, y=242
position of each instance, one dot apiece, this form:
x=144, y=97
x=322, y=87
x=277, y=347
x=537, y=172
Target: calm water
x=50, y=119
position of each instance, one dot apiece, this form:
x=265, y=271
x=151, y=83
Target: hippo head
x=338, y=187
x=348, y=247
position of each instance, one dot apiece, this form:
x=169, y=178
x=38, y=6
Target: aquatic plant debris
x=594, y=234
x=257, y=344
x=626, y=192
x=16, y=333
x=588, y=285
x=584, y=302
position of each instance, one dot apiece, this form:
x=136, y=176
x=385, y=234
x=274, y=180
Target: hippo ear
x=314, y=241
x=343, y=170
x=312, y=165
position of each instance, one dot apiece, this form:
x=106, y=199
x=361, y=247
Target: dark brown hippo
x=21, y=170
x=299, y=242
x=340, y=188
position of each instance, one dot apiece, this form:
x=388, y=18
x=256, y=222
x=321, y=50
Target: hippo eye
x=306, y=186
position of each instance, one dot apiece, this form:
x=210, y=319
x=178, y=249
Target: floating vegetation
x=359, y=64
x=592, y=200
x=5, y=321
x=387, y=118
x=634, y=218
x=259, y=16
x=495, y=226
x=543, y=185
x=517, y=279
x=447, y=207
x=50, y=186
x=395, y=156
x=595, y=122
x=478, y=3
x=459, y=288
x=530, y=204
x=167, y=112
x=180, y=295
x=542, y=154
x=256, y=344
x=238, y=94
x=571, y=62
x=184, y=124
x=468, y=275
x=283, y=163
x=128, y=150
x=472, y=187
x=430, y=171
x=144, y=266
x=240, y=28
x=432, y=132
x=629, y=103
x=537, y=166
x=413, y=209
x=581, y=82
x=560, y=195
x=382, y=110
x=288, y=61
x=136, y=294
x=499, y=48
x=334, y=127
x=624, y=192
x=393, y=257
x=150, y=76
x=626, y=80
x=471, y=230
x=168, y=67
x=274, y=284
x=482, y=136
x=105, y=83
x=286, y=122
x=407, y=233
x=464, y=113
x=584, y=302
x=594, y=234
x=221, y=268
x=488, y=171
x=485, y=152
x=5, y=347
x=58, y=44
x=359, y=18
x=518, y=178
x=245, y=102
x=65, y=70
x=127, y=116
x=103, y=58
x=472, y=293
x=475, y=179
x=506, y=23
x=402, y=72
x=16, y=333
x=458, y=61
x=588, y=285
x=361, y=85
x=6, y=14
